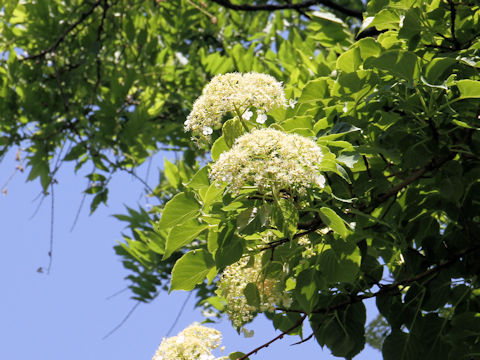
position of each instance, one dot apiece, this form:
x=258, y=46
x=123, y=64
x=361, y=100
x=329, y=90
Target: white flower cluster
x=235, y=93
x=233, y=282
x=196, y=342
x=270, y=159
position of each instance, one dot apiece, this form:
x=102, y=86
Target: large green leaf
x=230, y=250
x=343, y=331
x=333, y=221
x=182, y=234
x=468, y=88
x=401, y=346
x=399, y=63
x=306, y=289
x=179, y=209
x=315, y=90
x=219, y=146
x=191, y=269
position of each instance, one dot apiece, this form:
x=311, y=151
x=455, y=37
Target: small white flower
x=292, y=103
x=320, y=181
x=261, y=118
x=181, y=58
x=207, y=131
x=247, y=115
x=180, y=339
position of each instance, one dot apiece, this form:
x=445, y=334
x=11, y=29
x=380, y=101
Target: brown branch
x=273, y=244
x=286, y=332
x=291, y=6
x=62, y=37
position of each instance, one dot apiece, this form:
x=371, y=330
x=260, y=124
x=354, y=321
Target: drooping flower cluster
x=196, y=342
x=270, y=159
x=233, y=282
x=235, y=93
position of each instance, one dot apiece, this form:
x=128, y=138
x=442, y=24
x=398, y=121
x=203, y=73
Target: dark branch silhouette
x=286, y=332
x=291, y=6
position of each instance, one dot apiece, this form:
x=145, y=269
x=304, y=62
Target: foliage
x=393, y=103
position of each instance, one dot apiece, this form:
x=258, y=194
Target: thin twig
x=180, y=312
x=117, y=293
x=52, y=217
x=123, y=321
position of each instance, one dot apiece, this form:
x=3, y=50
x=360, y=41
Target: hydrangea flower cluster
x=196, y=342
x=233, y=282
x=270, y=159
x=235, y=93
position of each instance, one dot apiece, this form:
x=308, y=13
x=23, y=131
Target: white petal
x=247, y=115
x=261, y=118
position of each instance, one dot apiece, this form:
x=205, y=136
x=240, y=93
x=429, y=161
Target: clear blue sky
x=66, y=314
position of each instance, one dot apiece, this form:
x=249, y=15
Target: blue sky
x=65, y=315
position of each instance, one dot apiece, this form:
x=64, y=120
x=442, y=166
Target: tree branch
x=62, y=37
x=453, y=15
x=296, y=325
x=291, y=6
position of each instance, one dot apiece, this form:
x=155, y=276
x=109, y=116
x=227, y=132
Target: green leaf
x=100, y=197
x=179, y=209
x=212, y=195
x=285, y=217
x=349, y=159
x=297, y=122
x=254, y=220
x=315, y=90
x=399, y=63
x=191, y=269
x=400, y=346
x=252, y=295
x=383, y=20
x=231, y=130
x=437, y=70
x=350, y=60
x=219, y=146
x=337, y=269
x=306, y=290
x=468, y=88
x=237, y=355
x=200, y=180
x=171, y=173
x=342, y=331
x=230, y=250
x=333, y=221
x=182, y=234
